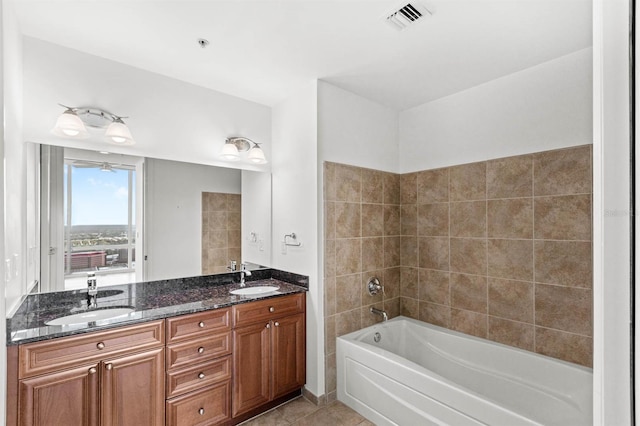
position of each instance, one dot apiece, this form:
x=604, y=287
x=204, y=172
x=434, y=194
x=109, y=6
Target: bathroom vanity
x=190, y=352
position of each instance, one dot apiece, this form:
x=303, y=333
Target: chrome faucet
x=379, y=312
x=243, y=273
x=92, y=290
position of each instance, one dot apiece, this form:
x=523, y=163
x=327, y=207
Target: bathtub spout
x=379, y=312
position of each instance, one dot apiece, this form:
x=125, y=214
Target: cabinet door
x=288, y=354
x=250, y=367
x=68, y=397
x=133, y=389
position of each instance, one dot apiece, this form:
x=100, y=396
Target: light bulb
x=229, y=152
x=119, y=133
x=256, y=155
x=69, y=125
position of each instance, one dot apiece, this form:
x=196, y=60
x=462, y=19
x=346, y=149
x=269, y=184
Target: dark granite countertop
x=150, y=300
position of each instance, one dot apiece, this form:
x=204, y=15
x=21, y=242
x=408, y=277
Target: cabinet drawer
x=192, y=378
x=196, y=325
x=248, y=313
x=50, y=355
x=208, y=406
x=188, y=353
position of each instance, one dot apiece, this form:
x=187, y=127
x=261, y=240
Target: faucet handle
x=92, y=283
x=374, y=286
x=232, y=266
x=243, y=268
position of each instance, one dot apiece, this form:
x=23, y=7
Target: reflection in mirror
x=90, y=206
x=128, y=218
x=173, y=226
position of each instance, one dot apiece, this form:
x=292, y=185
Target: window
x=99, y=222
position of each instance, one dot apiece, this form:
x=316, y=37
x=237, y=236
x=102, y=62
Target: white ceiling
x=262, y=50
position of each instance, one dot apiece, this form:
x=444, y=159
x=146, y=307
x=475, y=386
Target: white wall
x=169, y=119
x=355, y=130
x=173, y=214
x=295, y=209
x=4, y=17
x=15, y=159
x=611, y=222
x=541, y=108
x=256, y=217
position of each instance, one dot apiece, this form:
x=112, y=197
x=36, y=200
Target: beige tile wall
x=499, y=249
x=503, y=251
x=220, y=231
x=362, y=240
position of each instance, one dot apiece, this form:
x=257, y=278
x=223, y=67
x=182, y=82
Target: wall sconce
x=71, y=124
x=235, y=145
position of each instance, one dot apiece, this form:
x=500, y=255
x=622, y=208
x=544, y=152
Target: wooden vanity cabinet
x=218, y=367
x=198, y=380
x=268, y=351
x=113, y=377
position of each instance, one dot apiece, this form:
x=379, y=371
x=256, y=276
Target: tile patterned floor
x=300, y=412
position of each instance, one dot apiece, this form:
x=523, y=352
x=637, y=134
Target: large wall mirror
x=131, y=219
x=179, y=130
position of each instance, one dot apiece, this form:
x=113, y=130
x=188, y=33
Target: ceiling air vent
x=407, y=15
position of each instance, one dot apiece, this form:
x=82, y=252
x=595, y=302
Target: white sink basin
x=254, y=291
x=89, y=316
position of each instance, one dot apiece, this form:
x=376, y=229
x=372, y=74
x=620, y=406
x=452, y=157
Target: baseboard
x=314, y=399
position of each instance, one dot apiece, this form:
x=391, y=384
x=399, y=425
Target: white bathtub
x=420, y=374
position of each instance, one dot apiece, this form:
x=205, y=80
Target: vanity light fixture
x=233, y=146
x=71, y=124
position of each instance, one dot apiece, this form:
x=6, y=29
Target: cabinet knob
x=201, y=324
x=201, y=411
x=277, y=324
x=272, y=309
x=268, y=325
x=92, y=370
x=200, y=350
x=100, y=345
x=201, y=376
x=108, y=366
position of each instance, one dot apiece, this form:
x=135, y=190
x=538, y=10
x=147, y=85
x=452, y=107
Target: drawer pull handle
x=201, y=376
x=201, y=411
x=268, y=325
x=108, y=366
x=92, y=370
x=100, y=345
x=201, y=324
x=200, y=350
x=277, y=324
x=272, y=309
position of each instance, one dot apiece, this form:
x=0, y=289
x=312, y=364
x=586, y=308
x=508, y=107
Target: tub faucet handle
x=374, y=286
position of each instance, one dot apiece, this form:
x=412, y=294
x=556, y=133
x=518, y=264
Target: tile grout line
x=533, y=242
x=486, y=235
x=449, y=240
